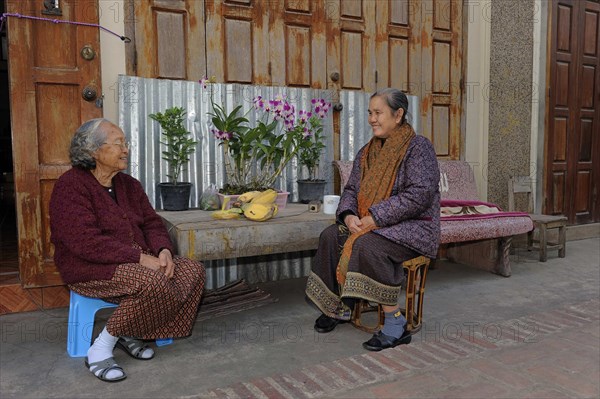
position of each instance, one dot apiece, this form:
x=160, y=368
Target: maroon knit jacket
x=92, y=234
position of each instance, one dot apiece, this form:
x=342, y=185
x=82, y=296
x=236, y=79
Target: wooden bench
x=483, y=243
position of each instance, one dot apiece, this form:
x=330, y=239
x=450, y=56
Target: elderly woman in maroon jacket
x=389, y=212
x=110, y=244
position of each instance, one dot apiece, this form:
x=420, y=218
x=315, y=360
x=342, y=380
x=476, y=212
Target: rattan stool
x=416, y=275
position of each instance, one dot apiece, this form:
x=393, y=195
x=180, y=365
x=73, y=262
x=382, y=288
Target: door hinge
x=376, y=77
x=269, y=68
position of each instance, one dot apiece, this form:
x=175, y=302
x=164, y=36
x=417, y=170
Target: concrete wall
x=510, y=94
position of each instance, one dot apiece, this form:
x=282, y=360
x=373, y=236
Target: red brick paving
x=555, y=354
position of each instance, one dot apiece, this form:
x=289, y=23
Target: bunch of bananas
x=254, y=205
x=259, y=205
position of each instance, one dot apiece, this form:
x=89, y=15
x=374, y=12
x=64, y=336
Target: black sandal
x=380, y=341
x=325, y=324
x=134, y=348
x=104, y=366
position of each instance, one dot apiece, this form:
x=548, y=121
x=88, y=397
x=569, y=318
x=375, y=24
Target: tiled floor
x=13, y=297
x=533, y=335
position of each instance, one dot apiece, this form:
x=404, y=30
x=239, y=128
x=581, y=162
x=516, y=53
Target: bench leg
x=502, y=266
x=562, y=240
x=530, y=240
x=543, y=242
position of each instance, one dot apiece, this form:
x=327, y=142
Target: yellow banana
x=248, y=196
x=265, y=197
x=260, y=212
x=232, y=213
x=228, y=214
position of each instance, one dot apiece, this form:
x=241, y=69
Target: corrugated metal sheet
x=354, y=123
x=139, y=97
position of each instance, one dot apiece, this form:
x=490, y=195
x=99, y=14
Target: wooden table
x=198, y=236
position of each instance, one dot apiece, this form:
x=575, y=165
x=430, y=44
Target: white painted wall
x=477, y=82
x=112, y=53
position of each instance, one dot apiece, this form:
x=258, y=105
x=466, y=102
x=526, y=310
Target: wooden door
x=47, y=75
x=572, y=146
x=412, y=45
x=335, y=44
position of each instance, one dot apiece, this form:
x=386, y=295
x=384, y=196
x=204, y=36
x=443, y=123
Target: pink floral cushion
x=345, y=168
x=480, y=229
x=457, y=180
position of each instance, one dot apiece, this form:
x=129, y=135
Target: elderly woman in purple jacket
x=110, y=244
x=389, y=213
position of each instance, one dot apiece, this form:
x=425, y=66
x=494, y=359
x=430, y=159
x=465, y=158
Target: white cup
x=330, y=204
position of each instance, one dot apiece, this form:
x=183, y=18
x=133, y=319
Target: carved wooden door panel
x=237, y=41
x=47, y=78
x=297, y=45
x=167, y=38
x=572, y=147
x=441, y=74
x=351, y=44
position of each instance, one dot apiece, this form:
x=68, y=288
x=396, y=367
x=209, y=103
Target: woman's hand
x=367, y=222
x=166, y=261
x=355, y=224
x=149, y=261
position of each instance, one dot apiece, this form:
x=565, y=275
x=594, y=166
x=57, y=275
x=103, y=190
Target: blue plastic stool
x=82, y=311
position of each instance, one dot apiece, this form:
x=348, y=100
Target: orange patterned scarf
x=379, y=167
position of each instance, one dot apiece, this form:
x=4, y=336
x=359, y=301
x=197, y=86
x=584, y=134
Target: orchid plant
x=256, y=155
x=309, y=153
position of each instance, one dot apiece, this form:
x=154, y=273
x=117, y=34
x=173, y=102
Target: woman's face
x=382, y=119
x=111, y=157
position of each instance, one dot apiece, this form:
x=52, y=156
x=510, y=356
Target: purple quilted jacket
x=411, y=216
x=92, y=234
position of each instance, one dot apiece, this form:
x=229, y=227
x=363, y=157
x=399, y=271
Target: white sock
x=102, y=349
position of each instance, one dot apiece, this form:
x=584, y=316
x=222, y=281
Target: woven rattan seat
x=416, y=275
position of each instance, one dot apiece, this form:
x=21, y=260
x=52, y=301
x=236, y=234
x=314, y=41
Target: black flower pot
x=311, y=190
x=175, y=197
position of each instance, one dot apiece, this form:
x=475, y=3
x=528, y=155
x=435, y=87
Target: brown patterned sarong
x=151, y=306
x=375, y=271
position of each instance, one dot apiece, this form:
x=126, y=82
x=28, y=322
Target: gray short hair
x=87, y=139
x=395, y=100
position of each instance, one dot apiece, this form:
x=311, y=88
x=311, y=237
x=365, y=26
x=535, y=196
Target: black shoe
x=325, y=324
x=380, y=341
